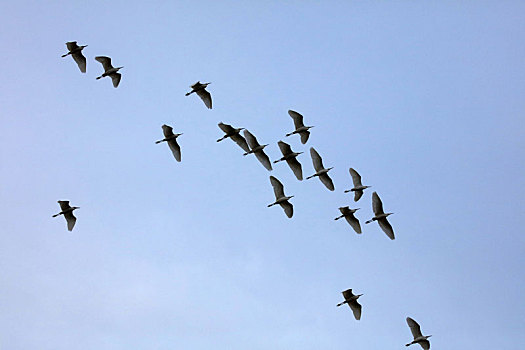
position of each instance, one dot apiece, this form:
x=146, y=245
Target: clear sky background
x=424, y=98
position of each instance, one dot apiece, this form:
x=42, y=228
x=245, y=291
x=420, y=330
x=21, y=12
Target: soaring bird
x=67, y=211
x=109, y=70
x=76, y=52
x=358, y=186
x=200, y=89
x=419, y=338
x=280, y=197
x=351, y=300
x=320, y=171
x=234, y=134
x=290, y=157
x=348, y=214
x=380, y=216
x=299, y=126
x=257, y=149
x=171, y=139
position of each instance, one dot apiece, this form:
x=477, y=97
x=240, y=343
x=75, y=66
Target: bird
x=76, y=52
x=234, y=134
x=200, y=89
x=348, y=214
x=109, y=70
x=419, y=338
x=290, y=157
x=257, y=149
x=320, y=171
x=280, y=198
x=358, y=186
x=352, y=302
x=380, y=216
x=171, y=139
x=299, y=126
x=67, y=211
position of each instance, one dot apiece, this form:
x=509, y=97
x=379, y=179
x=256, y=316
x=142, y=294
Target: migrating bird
x=419, y=338
x=234, y=134
x=299, y=126
x=348, y=214
x=290, y=157
x=200, y=89
x=171, y=139
x=280, y=198
x=351, y=300
x=76, y=52
x=67, y=211
x=358, y=186
x=109, y=70
x=257, y=149
x=320, y=171
x=380, y=216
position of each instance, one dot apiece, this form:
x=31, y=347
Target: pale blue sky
x=424, y=98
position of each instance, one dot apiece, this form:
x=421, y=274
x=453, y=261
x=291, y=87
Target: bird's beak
x=357, y=209
x=299, y=153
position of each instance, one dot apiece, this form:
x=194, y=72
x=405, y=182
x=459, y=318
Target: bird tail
x=369, y=221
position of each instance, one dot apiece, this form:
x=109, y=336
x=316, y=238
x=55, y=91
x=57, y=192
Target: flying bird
x=351, y=300
x=171, y=139
x=200, y=89
x=419, y=338
x=280, y=198
x=299, y=126
x=234, y=134
x=358, y=186
x=290, y=157
x=257, y=149
x=348, y=214
x=76, y=52
x=109, y=70
x=67, y=211
x=320, y=171
x=380, y=216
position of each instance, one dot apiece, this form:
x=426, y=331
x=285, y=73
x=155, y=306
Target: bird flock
x=250, y=145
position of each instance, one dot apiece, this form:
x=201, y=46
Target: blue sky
x=424, y=99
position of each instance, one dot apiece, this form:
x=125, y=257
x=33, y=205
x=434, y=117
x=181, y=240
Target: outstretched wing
x=252, y=141
x=278, y=188
x=357, y=195
x=425, y=344
x=115, y=78
x=377, y=205
x=205, y=97
x=356, y=309
x=167, y=130
x=414, y=328
x=238, y=139
x=297, y=119
x=70, y=219
x=356, y=178
x=316, y=160
x=64, y=205
x=80, y=60
x=284, y=147
x=347, y=294
x=228, y=129
x=263, y=158
x=327, y=181
x=175, y=148
x=304, y=136
x=386, y=227
x=288, y=208
x=71, y=45
x=294, y=164
x=354, y=222
x=106, y=62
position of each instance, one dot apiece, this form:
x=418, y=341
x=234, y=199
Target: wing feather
x=327, y=181
x=296, y=167
x=377, y=205
x=238, y=139
x=304, y=136
x=356, y=178
x=316, y=159
x=115, y=78
x=354, y=222
x=106, y=62
x=70, y=219
x=278, y=188
x=356, y=309
x=297, y=119
x=252, y=141
x=263, y=158
x=205, y=97
x=175, y=149
x=414, y=328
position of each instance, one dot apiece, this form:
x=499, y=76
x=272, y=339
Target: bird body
x=291, y=159
x=234, y=134
x=257, y=149
x=351, y=300
x=280, y=197
x=67, y=211
x=109, y=70
x=171, y=139
x=320, y=170
x=348, y=214
x=419, y=338
x=200, y=89
x=76, y=52
x=381, y=217
x=300, y=128
x=358, y=186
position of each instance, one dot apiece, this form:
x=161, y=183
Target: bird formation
x=250, y=145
